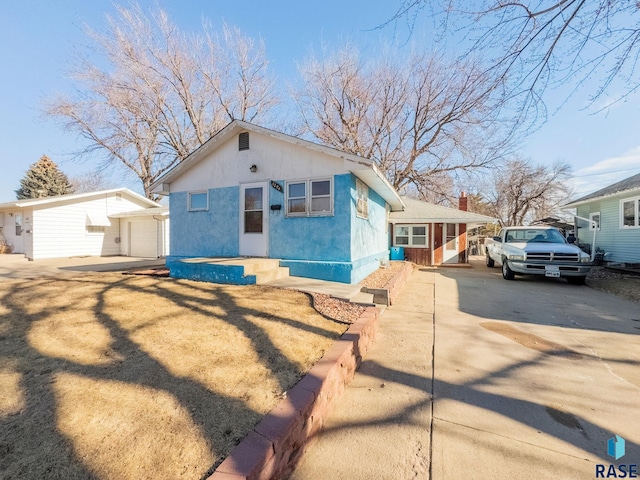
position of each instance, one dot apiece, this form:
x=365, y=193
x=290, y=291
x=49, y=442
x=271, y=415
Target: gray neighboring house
x=616, y=212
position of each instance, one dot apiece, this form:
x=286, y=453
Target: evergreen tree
x=43, y=179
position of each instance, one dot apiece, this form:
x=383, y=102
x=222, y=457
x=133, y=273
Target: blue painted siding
x=621, y=244
x=206, y=272
x=370, y=240
x=211, y=233
x=341, y=247
x=325, y=238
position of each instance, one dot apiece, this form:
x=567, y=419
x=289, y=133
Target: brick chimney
x=462, y=201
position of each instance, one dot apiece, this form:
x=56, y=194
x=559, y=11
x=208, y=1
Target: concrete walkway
x=532, y=379
x=381, y=427
x=16, y=266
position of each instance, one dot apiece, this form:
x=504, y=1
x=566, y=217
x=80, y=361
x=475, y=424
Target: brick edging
x=397, y=281
x=272, y=448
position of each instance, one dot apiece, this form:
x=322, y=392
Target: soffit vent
x=243, y=141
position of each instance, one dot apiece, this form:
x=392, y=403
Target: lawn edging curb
x=272, y=448
x=395, y=284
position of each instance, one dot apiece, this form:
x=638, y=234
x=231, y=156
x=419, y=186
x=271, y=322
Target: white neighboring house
x=103, y=223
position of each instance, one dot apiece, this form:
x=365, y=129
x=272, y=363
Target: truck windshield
x=534, y=235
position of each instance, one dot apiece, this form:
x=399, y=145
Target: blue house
x=614, y=214
x=253, y=192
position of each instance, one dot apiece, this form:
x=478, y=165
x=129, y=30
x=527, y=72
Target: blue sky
x=39, y=37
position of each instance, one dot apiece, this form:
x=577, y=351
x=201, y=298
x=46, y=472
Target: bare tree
x=537, y=44
x=92, y=182
x=422, y=119
x=520, y=192
x=160, y=93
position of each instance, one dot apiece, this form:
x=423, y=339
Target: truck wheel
x=576, y=280
x=507, y=273
x=490, y=262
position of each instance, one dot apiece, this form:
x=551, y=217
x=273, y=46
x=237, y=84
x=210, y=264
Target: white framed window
x=630, y=213
x=198, y=201
x=362, y=199
x=309, y=197
x=595, y=219
x=410, y=236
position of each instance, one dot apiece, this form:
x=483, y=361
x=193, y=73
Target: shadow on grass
x=117, y=407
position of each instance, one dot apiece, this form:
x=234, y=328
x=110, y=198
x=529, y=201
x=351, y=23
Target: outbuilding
x=429, y=234
x=108, y=222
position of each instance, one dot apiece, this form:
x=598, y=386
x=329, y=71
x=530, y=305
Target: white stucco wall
x=274, y=159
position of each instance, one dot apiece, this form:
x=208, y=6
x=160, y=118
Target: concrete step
x=346, y=292
x=362, y=298
x=253, y=266
x=265, y=276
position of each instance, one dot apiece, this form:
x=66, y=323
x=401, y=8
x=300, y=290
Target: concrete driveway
x=529, y=379
x=16, y=266
x=532, y=377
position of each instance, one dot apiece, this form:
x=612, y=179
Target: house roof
x=627, y=185
x=363, y=168
x=30, y=202
x=146, y=212
x=417, y=211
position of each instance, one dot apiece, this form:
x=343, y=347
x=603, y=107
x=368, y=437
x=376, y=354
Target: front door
x=254, y=220
x=450, y=243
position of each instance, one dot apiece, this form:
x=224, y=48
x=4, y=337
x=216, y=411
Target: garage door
x=143, y=238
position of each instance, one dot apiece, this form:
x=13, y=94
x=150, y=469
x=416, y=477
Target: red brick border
x=394, y=285
x=272, y=448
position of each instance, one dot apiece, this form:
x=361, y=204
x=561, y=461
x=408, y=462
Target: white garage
x=145, y=233
x=103, y=223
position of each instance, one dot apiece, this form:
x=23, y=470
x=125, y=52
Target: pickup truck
x=537, y=251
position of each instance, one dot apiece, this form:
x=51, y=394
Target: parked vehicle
x=537, y=251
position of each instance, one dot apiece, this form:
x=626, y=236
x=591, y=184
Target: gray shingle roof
x=628, y=184
x=418, y=211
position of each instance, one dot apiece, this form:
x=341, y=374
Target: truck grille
x=553, y=257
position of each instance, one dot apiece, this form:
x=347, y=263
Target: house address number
x=276, y=185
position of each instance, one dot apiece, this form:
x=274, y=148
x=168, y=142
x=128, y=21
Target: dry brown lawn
x=126, y=377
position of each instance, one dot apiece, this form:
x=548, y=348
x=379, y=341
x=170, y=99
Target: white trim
x=254, y=244
x=410, y=235
x=198, y=192
x=636, y=212
x=362, y=199
x=593, y=222
x=308, y=197
x=76, y=196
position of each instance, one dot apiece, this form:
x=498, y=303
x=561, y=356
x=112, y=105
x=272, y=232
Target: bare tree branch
x=162, y=93
x=421, y=119
x=534, y=45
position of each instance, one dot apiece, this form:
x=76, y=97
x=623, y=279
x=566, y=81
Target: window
x=594, y=217
x=320, y=197
x=95, y=229
x=309, y=197
x=362, y=199
x=243, y=141
x=253, y=210
x=630, y=213
x=198, y=201
x=411, y=236
x=297, y=198
x=18, y=218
